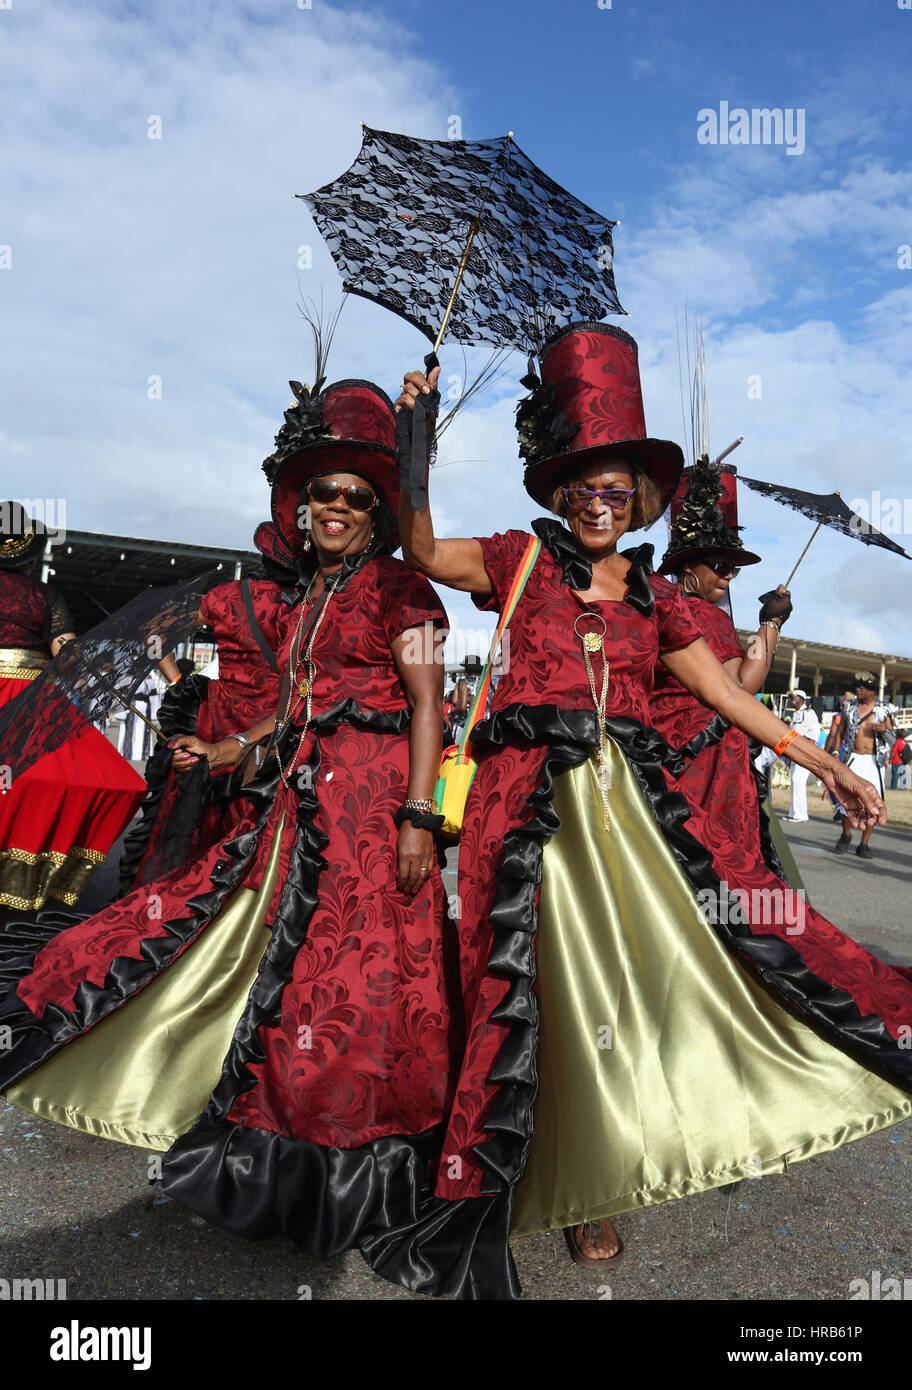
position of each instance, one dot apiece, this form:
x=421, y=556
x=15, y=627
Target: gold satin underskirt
x=144, y=1074
x=708, y=1079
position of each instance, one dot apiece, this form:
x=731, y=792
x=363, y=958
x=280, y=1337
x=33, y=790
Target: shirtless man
x=869, y=736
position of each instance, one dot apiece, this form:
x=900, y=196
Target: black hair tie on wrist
x=421, y=820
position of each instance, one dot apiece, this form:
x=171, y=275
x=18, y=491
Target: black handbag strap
x=255, y=628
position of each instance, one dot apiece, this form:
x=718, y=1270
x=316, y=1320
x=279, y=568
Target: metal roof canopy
x=97, y=574
x=800, y=662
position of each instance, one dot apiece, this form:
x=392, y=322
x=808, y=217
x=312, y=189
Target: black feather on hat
x=701, y=524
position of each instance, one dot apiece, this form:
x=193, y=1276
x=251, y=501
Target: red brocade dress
x=623, y=1048
x=718, y=779
x=246, y=618
x=59, y=818
x=275, y=1015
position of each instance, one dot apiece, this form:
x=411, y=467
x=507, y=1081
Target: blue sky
x=176, y=258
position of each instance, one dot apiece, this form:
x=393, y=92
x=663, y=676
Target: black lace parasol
x=98, y=671
x=467, y=237
x=827, y=509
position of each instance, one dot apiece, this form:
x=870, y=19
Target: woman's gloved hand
x=777, y=606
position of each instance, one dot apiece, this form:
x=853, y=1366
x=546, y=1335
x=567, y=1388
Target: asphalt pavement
x=83, y=1210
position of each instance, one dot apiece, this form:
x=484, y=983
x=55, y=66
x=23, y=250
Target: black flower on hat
x=303, y=426
x=543, y=432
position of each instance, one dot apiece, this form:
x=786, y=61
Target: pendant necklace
x=594, y=642
x=301, y=680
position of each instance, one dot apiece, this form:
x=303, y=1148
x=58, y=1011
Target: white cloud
x=177, y=257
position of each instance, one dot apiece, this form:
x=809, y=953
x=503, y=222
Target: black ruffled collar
x=576, y=571
x=351, y=564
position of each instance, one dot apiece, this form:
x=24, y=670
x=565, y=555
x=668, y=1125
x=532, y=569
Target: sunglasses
x=325, y=490
x=724, y=569
x=577, y=498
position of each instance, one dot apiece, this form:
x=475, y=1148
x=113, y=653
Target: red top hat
x=589, y=403
x=348, y=428
x=704, y=518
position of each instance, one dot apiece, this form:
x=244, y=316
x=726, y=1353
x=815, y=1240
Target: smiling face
x=337, y=529
x=598, y=527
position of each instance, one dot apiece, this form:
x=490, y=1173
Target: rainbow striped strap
x=479, y=704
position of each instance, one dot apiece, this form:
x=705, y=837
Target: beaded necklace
x=595, y=642
x=303, y=685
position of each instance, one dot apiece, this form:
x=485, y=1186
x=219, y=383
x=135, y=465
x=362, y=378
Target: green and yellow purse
x=457, y=766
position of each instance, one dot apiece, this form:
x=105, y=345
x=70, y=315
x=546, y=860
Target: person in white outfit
x=867, y=736
x=805, y=722
x=135, y=739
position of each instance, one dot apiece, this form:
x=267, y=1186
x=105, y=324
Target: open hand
x=862, y=803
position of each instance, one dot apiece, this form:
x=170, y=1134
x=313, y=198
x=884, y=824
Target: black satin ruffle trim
x=576, y=570
x=257, y=1183
x=462, y=1247
x=778, y=961
x=32, y=1040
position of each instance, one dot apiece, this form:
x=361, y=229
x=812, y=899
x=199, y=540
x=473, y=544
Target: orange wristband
x=780, y=747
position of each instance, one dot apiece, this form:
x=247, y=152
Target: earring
x=305, y=544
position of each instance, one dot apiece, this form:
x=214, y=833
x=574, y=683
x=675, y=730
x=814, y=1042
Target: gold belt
x=16, y=663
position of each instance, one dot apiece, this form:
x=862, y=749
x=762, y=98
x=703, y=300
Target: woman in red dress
x=275, y=1015
x=623, y=1048
x=59, y=818
x=719, y=780
x=181, y=819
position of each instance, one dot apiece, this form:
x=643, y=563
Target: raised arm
x=751, y=671
x=457, y=563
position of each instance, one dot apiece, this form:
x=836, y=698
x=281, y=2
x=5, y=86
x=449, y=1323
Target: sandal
x=590, y=1230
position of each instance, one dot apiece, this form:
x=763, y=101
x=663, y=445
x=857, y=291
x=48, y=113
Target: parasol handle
x=119, y=698
x=725, y=452
x=459, y=274
x=803, y=553
x=149, y=723
x=764, y=597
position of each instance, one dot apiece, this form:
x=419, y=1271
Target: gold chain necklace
x=304, y=687
x=595, y=642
